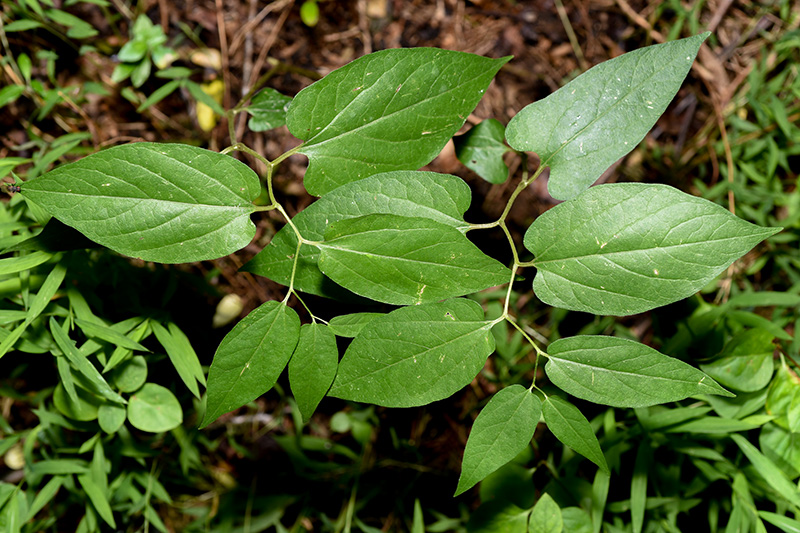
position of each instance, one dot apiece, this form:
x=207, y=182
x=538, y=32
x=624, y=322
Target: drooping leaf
x=98, y=498
x=623, y=373
x=440, y=197
x=250, y=358
x=351, y=325
x=181, y=354
x=155, y=409
x=268, y=109
x=313, y=367
x=784, y=523
x=501, y=431
x=415, y=355
x=569, y=426
x=481, y=149
x=403, y=260
x=169, y=203
x=594, y=120
x=546, y=516
x=746, y=362
x=626, y=248
x=390, y=110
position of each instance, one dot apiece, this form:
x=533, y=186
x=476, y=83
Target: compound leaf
x=410, y=193
x=500, y=432
x=390, y=110
x=570, y=427
x=313, y=367
x=169, y=203
x=622, y=372
x=415, y=355
x=481, y=149
x=594, y=120
x=250, y=358
x=626, y=248
x=403, y=260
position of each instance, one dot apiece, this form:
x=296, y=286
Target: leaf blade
x=570, y=427
x=312, y=367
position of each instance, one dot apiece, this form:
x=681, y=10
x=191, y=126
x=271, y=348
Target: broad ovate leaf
x=404, y=260
x=500, y=432
x=169, y=203
x=584, y=127
x=251, y=357
x=155, y=409
x=410, y=193
x=546, y=516
x=390, y=110
x=268, y=109
x=622, y=372
x=481, y=150
x=570, y=427
x=626, y=248
x=415, y=355
x=313, y=367
x=746, y=363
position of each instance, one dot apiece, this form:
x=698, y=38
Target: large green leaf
x=169, y=203
x=390, y=110
x=313, y=367
x=594, y=120
x=625, y=248
x=415, y=355
x=623, y=373
x=250, y=358
x=501, y=431
x=570, y=427
x=746, y=363
x=403, y=260
x=410, y=193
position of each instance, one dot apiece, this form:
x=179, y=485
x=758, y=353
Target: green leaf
x=746, y=363
x=59, y=467
x=313, y=367
x=154, y=409
x=623, y=373
x=594, y=120
x=626, y=248
x=415, y=355
x=80, y=363
x=440, y=197
x=570, y=427
x=402, y=260
x=12, y=265
x=131, y=374
x=783, y=399
x=111, y=416
x=546, y=516
x=351, y=325
x=44, y=496
x=498, y=516
x=501, y=431
x=268, y=109
x=773, y=475
x=83, y=407
x=98, y=499
x=107, y=334
x=169, y=203
x=250, y=358
x=22, y=25
x=481, y=149
x=782, y=447
x=390, y=110
x=182, y=355
x=638, y=498
x=784, y=523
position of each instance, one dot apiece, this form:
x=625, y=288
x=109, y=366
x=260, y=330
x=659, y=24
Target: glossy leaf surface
x=169, y=203
x=440, y=197
x=415, y=355
x=569, y=426
x=623, y=373
x=481, y=149
x=626, y=248
x=583, y=128
x=251, y=357
x=402, y=260
x=390, y=110
x=313, y=367
x=502, y=430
